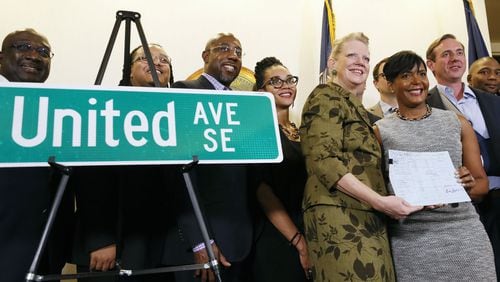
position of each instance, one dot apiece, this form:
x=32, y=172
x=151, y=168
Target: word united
x=134, y=125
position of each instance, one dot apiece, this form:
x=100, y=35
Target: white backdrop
x=288, y=29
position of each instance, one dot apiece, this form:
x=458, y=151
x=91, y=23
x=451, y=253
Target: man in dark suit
x=388, y=102
x=446, y=59
x=26, y=193
x=484, y=74
x=222, y=189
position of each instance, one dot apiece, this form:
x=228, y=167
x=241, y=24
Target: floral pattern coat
x=347, y=239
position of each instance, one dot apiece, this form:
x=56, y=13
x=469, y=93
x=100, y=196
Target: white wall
x=288, y=29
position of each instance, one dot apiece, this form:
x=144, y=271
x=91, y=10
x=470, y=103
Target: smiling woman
x=456, y=228
x=140, y=74
x=280, y=249
x=345, y=195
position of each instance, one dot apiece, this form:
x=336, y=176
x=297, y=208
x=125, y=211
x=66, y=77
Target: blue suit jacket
x=490, y=108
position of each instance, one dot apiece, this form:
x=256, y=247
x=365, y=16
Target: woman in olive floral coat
x=345, y=198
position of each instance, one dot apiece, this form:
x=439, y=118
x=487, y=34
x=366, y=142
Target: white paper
x=426, y=178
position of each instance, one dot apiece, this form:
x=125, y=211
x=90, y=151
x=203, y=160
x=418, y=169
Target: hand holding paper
x=425, y=178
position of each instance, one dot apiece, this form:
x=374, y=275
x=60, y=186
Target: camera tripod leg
x=128, y=17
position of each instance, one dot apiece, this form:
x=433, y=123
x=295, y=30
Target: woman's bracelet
x=293, y=239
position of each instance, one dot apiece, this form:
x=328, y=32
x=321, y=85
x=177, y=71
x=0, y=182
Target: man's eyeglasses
x=225, y=49
x=163, y=60
x=25, y=47
x=277, y=82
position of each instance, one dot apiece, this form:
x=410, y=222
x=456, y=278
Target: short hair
x=219, y=35
x=401, y=62
x=136, y=49
x=14, y=33
x=339, y=43
x=125, y=81
x=430, y=50
x=377, y=68
x=481, y=60
x=261, y=67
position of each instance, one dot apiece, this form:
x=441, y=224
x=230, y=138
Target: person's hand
x=396, y=207
x=103, y=259
x=202, y=257
x=465, y=178
x=301, y=247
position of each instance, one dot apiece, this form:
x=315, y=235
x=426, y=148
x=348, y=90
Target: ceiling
x=493, y=14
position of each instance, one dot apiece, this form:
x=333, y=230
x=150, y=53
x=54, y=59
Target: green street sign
x=134, y=125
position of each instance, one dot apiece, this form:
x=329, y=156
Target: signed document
x=426, y=178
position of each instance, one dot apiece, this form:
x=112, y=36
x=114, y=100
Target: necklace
x=428, y=112
x=291, y=132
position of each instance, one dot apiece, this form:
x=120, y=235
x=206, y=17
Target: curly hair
x=261, y=67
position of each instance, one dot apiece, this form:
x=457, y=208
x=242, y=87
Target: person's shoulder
x=373, y=109
x=433, y=92
x=438, y=111
x=434, y=98
x=199, y=83
x=484, y=95
x=182, y=84
x=328, y=90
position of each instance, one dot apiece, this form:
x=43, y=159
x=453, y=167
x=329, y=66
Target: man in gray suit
x=446, y=60
x=388, y=102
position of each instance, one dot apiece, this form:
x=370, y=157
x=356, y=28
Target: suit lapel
x=204, y=83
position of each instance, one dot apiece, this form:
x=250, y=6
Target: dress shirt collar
x=448, y=91
x=215, y=83
x=386, y=108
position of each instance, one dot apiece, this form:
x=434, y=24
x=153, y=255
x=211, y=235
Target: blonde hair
x=339, y=44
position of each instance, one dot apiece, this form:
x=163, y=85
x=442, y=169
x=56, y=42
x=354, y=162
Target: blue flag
x=477, y=47
x=327, y=38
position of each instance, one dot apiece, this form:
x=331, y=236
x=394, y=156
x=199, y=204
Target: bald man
x=484, y=74
x=26, y=193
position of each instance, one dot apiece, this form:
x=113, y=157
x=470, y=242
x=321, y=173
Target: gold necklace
x=428, y=112
x=291, y=132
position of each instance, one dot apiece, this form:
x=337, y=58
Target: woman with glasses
x=122, y=213
x=140, y=75
x=280, y=247
x=345, y=198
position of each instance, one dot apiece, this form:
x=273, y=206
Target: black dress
x=274, y=258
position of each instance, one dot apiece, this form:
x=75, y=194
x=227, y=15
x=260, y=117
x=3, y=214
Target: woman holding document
x=441, y=242
x=345, y=198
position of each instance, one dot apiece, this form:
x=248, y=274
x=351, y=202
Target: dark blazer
x=122, y=205
x=26, y=196
x=97, y=211
x=490, y=108
x=222, y=193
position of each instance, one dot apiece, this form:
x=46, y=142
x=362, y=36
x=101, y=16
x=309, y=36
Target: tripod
x=128, y=17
